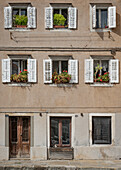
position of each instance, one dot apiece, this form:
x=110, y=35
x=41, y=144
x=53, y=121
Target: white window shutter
x=8, y=17
x=72, y=19
x=49, y=17
x=114, y=71
x=47, y=66
x=73, y=70
x=94, y=16
x=112, y=17
x=32, y=70
x=89, y=71
x=31, y=14
x=5, y=70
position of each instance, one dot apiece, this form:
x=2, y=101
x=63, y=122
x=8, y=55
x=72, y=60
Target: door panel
x=19, y=137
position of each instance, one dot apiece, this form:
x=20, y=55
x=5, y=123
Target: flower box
x=59, y=26
x=20, y=78
x=21, y=26
x=62, y=78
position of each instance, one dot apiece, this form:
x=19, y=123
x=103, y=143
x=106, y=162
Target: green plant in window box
x=20, y=21
x=59, y=21
x=103, y=78
x=64, y=77
x=20, y=78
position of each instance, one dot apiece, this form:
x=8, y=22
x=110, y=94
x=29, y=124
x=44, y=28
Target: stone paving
x=61, y=165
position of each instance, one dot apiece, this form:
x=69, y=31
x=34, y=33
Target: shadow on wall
x=117, y=30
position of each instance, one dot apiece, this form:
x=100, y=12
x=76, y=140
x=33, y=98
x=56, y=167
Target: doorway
x=19, y=138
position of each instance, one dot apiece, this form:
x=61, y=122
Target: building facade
x=43, y=113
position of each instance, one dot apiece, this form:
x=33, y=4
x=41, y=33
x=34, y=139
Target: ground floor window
x=101, y=129
x=60, y=132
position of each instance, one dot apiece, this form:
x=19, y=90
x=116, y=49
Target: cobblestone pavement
x=61, y=165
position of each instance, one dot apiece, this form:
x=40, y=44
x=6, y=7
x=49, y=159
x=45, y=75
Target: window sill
x=20, y=29
x=101, y=30
x=62, y=85
x=20, y=84
x=101, y=85
x=60, y=29
x=101, y=145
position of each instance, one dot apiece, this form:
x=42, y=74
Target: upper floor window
x=19, y=69
x=101, y=69
x=20, y=16
x=60, y=70
x=61, y=16
x=103, y=16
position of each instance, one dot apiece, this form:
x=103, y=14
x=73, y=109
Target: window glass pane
x=64, y=12
x=23, y=65
x=105, y=66
x=56, y=66
x=103, y=18
x=64, y=66
x=56, y=11
x=15, y=11
x=54, y=131
x=101, y=130
x=96, y=62
x=15, y=65
x=14, y=129
x=97, y=18
x=24, y=12
x=66, y=132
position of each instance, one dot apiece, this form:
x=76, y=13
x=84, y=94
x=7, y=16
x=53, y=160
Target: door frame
x=20, y=139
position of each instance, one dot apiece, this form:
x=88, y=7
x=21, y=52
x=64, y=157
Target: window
x=60, y=132
x=101, y=130
x=103, y=16
x=61, y=16
x=20, y=16
x=18, y=69
x=101, y=69
x=60, y=65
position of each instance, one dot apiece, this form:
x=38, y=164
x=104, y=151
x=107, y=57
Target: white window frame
x=101, y=58
x=49, y=115
x=104, y=6
x=24, y=6
x=18, y=58
x=112, y=115
x=60, y=59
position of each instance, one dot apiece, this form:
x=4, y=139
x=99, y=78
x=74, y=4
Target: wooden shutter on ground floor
x=32, y=71
x=114, y=71
x=8, y=17
x=6, y=70
x=31, y=14
x=89, y=71
x=112, y=17
x=73, y=70
x=94, y=16
x=101, y=130
x=48, y=17
x=72, y=19
x=47, y=66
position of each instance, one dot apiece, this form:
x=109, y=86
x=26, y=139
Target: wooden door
x=19, y=137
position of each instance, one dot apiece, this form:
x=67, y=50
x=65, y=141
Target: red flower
x=25, y=70
x=98, y=75
x=20, y=71
x=66, y=71
x=100, y=79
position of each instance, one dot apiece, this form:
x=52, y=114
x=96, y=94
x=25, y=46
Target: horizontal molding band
x=63, y=49
x=41, y=108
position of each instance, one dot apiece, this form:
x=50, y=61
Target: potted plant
x=20, y=78
x=103, y=78
x=20, y=21
x=59, y=21
x=64, y=77
x=97, y=69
